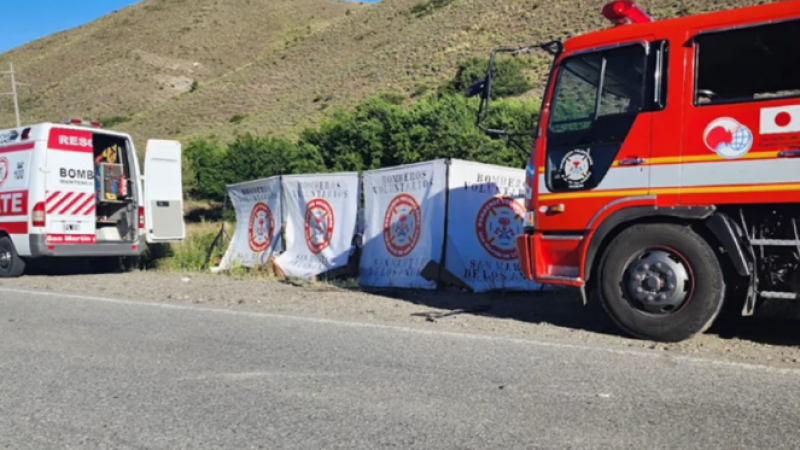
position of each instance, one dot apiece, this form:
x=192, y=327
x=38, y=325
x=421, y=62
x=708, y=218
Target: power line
x=13, y=93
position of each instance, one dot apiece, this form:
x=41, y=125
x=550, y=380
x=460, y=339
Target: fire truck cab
x=664, y=179
x=74, y=190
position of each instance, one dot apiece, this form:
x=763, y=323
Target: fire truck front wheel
x=661, y=282
x=11, y=265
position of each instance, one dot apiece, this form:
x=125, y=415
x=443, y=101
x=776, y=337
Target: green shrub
x=206, y=160
x=508, y=76
x=377, y=133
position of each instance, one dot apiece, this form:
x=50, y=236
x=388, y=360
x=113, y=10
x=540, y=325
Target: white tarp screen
x=258, y=223
x=485, y=215
x=404, y=224
x=321, y=212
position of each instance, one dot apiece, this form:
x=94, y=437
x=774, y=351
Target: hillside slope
x=144, y=55
x=396, y=46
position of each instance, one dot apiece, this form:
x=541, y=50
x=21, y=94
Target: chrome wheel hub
x=5, y=259
x=658, y=282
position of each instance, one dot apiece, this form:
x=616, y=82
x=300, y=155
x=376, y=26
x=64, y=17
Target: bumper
x=525, y=254
x=40, y=248
x=548, y=260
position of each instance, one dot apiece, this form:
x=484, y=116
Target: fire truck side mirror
x=478, y=87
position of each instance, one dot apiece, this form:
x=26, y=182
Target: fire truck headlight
x=530, y=221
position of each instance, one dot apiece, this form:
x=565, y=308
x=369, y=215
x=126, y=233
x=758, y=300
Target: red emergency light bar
x=624, y=12
x=84, y=123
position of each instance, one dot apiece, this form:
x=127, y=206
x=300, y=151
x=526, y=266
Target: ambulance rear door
x=163, y=192
x=70, y=187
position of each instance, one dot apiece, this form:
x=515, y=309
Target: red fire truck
x=664, y=179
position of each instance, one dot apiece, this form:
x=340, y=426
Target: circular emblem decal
x=3, y=171
x=319, y=224
x=402, y=225
x=576, y=167
x=497, y=225
x=728, y=138
x=261, y=228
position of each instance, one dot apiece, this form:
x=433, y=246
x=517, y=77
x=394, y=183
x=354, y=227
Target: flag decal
x=781, y=119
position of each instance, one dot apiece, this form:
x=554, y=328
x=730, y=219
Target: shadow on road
x=563, y=308
x=775, y=323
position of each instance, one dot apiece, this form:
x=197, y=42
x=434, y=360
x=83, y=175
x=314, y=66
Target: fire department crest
x=497, y=225
x=261, y=227
x=3, y=171
x=576, y=168
x=402, y=225
x=319, y=225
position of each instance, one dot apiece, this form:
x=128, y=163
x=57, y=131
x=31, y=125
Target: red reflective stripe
x=52, y=196
x=60, y=202
x=83, y=205
x=88, y=210
x=14, y=227
x=18, y=147
x=69, y=205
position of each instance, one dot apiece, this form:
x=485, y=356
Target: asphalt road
x=80, y=372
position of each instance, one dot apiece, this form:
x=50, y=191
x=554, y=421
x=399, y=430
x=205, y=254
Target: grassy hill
x=181, y=68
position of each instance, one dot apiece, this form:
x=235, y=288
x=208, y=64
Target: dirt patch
x=771, y=338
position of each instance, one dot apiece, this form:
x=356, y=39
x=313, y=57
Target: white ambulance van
x=76, y=190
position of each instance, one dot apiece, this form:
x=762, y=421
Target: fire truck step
x=775, y=242
x=779, y=295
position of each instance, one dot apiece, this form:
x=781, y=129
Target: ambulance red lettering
x=14, y=203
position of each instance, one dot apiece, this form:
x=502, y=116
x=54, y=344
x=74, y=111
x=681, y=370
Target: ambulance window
x=748, y=64
x=596, y=95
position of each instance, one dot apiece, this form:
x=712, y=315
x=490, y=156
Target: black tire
x=11, y=265
x=686, y=304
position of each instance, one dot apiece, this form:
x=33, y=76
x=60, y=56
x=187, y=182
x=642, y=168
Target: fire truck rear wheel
x=11, y=265
x=661, y=282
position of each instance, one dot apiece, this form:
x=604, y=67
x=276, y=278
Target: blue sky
x=28, y=20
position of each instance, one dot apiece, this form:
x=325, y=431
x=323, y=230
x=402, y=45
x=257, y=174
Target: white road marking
x=452, y=334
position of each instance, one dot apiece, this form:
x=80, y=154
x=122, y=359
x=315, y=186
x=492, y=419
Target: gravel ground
x=771, y=338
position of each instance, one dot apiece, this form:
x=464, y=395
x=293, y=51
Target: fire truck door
x=598, y=136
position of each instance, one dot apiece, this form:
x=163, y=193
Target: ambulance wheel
x=661, y=282
x=11, y=265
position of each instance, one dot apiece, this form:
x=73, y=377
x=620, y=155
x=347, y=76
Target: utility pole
x=13, y=92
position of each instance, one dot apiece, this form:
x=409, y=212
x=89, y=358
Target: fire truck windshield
x=597, y=96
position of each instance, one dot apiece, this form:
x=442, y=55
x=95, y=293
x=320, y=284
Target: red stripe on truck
x=18, y=147
x=80, y=209
x=70, y=140
x=13, y=203
x=52, y=209
x=14, y=227
x=69, y=205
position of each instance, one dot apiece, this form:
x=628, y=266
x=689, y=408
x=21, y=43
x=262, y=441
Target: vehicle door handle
x=631, y=162
x=789, y=154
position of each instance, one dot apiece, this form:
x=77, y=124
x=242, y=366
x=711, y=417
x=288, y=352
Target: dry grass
x=258, y=61
x=187, y=256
